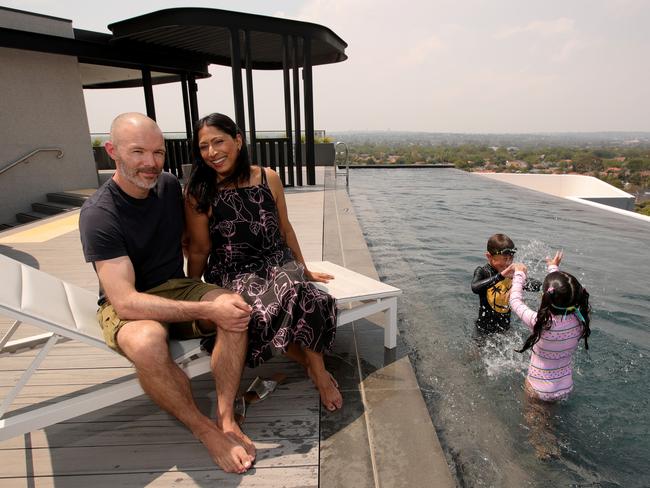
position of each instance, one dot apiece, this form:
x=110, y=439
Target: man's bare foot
x=232, y=430
x=225, y=452
x=328, y=388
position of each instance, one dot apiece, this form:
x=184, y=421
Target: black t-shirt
x=148, y=231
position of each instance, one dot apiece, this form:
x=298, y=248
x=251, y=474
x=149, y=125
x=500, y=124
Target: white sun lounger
x=65, y=311
x=358, y=296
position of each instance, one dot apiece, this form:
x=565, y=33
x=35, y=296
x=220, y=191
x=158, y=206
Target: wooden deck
x=134, y=443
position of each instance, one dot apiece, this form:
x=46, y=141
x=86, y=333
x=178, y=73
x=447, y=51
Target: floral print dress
x=250, y=257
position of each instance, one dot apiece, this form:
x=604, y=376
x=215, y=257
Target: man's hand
x=555, y=260
x=519, y=267
x=231, y=312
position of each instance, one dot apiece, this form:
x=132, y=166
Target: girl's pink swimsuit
x=550, y=372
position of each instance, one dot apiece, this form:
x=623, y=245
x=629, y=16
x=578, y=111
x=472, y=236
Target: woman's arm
x=197, y=238
x=517, y=304
x=286, y=229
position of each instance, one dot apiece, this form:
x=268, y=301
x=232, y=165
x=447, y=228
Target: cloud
x=544, y=28
x=569, y=49
x=422, y=51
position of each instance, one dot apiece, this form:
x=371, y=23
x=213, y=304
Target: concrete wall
x=585, y=187
x=324, y=154
x=42, y=105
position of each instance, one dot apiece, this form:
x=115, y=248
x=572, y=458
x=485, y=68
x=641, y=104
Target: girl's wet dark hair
x=202, y=184
x=561, y=290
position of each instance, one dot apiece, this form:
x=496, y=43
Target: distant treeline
x=626, y=166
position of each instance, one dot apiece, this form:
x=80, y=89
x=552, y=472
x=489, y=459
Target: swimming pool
x=426, y=230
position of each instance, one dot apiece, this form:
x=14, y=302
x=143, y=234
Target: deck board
x=293, y=477
x=183, y=456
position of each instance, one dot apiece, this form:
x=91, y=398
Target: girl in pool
x=557, y=327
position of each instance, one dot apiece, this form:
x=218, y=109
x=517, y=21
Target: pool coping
x=384, y=435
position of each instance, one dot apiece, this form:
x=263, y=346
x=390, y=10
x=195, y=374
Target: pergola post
x=193, y=88
x=250, y=98
x=238, y=91
x=286, y=61
x=308, y=92
x=148, y=93
x=296, y=111
x=186, y=106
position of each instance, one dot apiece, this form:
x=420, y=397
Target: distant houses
x=516, y=164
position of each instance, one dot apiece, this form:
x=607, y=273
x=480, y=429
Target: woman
x=240, y=237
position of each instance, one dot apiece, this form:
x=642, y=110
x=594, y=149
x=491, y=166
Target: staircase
x=56, y=203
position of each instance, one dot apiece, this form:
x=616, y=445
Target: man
x=131, y=231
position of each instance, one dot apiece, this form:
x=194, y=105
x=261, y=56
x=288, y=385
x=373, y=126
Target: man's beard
x=131, y=175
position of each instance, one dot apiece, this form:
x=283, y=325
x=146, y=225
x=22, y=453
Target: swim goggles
x=572, y=309
x=510, y=251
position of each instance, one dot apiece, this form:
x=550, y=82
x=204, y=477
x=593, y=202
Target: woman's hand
x=318, y=276
x=555, y=260
x=520, y=267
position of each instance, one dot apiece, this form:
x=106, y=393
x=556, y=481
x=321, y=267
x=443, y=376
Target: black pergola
x=178, y=45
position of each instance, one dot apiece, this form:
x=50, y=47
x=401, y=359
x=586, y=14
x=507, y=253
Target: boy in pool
x=492, y=282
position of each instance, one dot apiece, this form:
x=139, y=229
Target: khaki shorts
x=185, y=289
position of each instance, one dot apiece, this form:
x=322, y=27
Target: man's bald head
x=126, y=124
x=137, y=146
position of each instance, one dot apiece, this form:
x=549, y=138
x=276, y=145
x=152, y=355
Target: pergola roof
x=206, y=34
x=179, y=44
x=179, y=40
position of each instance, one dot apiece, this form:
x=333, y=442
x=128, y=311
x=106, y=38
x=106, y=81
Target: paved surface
x=383, y=436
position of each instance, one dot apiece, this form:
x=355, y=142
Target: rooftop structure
x=47, y=63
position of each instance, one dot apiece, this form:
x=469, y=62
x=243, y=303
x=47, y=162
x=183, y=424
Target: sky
x=464, y=66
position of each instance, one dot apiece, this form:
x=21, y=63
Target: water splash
x=499, y=357
x=533, y=255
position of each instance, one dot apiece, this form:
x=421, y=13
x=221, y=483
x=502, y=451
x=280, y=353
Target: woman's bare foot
x=330, y=396
x=328, y=388
x=333, y=380
x=225, y=452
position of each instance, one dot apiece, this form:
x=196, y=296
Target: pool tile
x=344, y=446
x=406, y=447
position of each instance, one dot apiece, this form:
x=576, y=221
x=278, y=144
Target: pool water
x=427, y=230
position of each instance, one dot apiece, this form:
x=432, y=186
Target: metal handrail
x=346, y=162
x=24, y=158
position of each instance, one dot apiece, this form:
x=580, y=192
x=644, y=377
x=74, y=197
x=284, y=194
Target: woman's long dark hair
x=203, y=185
x=561, y=291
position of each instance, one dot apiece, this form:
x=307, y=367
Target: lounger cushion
x=11, y=274
x=36, y=294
